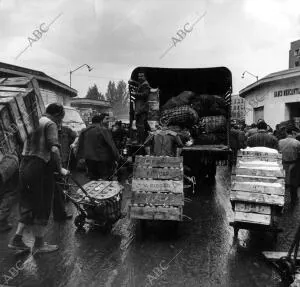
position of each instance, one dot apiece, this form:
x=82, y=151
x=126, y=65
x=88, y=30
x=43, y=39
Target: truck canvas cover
x=173, y=81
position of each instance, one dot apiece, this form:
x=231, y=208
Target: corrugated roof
x=284, y=74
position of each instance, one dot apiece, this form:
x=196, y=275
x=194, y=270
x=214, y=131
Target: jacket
x=96, y=143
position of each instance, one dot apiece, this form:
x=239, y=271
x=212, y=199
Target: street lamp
x=243, y=75
x=89, y=68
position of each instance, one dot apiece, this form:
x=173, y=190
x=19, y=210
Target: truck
x=200, y=160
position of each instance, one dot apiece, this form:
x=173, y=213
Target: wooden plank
x=260, y=172
x=158, y=198
x=246, y=158
x=157, y=173
x=155, y=213
x=16, y=126
x=259, y=187
x=259, y=155
x=252, y=207
x=39, y=99
x=257, y=198
x=159, y=161
x=14, y=81
x=249, y=178
x=7, y=138
x=276, y=255
x=24, y=114
x=157, y=185
x=252, y=217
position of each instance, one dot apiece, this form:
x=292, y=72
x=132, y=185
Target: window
x=296, y=52
x=297, y=64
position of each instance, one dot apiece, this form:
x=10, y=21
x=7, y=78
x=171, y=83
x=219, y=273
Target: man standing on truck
x=41, y=157
x=141, y=107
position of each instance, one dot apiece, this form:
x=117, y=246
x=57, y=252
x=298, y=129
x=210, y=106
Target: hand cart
x=97, y=202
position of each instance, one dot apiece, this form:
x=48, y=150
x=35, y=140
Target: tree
x=118, y=97
x=94, y=94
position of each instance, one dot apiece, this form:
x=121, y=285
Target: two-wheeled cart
x=97, y=202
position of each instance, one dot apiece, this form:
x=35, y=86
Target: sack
x=182, y=99
x=209, y=105
x=182, y=116
x=214, y=124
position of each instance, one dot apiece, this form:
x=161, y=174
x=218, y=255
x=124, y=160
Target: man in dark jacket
x=237, y=141
x=262, y=137
x=290, y=149
x=97, y=147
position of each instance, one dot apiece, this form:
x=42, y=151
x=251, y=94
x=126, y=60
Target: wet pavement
x=203, y=253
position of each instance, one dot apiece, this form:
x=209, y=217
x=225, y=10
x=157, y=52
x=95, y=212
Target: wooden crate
x=159, y=161
x=174, y=186
x=257, y=187
x=259, y=155
x=155, y=213
x=250, y=217
x=157, y=188
x=252, y=208
x=158, y=173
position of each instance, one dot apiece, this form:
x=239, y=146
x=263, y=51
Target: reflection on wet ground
x=203, y=253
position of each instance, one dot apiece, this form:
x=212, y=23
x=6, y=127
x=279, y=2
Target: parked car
x=73, y=119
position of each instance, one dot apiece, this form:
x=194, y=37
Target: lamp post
x=243, y=75
x=89, y=68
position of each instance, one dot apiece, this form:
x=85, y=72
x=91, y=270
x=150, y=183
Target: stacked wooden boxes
x=258, y=186
x=21, y=106
x=157, y=188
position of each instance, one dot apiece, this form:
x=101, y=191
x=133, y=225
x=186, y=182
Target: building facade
x=294, y=54
x=52, y=90
x=274, y=98
x=237, y=108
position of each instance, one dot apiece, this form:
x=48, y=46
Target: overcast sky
x=115, y=36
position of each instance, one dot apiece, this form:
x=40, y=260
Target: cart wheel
x=79, y=221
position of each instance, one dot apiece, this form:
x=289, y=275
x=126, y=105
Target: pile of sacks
x=204, y=115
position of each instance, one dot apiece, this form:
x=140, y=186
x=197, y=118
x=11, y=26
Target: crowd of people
x=285, y=139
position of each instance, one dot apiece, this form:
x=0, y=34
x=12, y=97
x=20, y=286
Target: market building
x=275, y=97
x=52, y=90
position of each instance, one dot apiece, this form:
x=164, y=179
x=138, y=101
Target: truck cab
x=200, y=159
